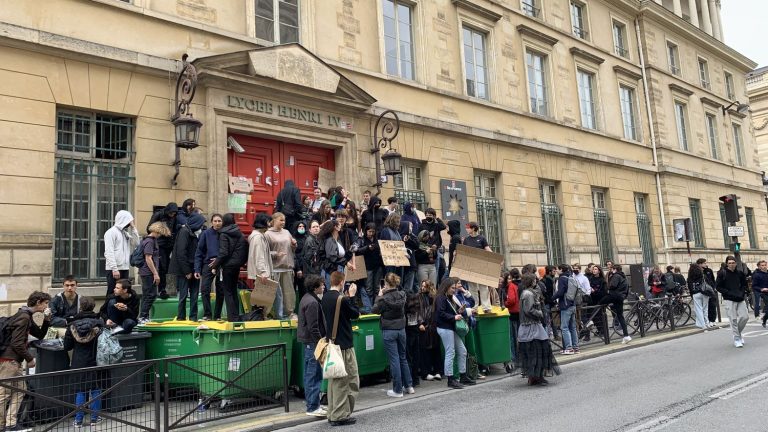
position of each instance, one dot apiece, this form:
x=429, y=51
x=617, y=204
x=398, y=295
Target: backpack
x=574, y=293
x=109, y=350
x=137, y=256
x=5, y=331
x=669, y=283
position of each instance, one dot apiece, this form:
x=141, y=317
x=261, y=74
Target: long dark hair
x=326, y=229
x=227, y=220
x=352, y=214
x=445, y=284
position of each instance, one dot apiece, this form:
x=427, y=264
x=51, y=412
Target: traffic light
x=737, y=247
x=731, y=207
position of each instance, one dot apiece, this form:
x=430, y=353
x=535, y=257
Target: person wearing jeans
x=310, y=329
x=390, y=304
x=447, y=313
x=696, y=277
x=207, y=250
x=567, y=312
x=732, y=284
x=149, y=272
x=121, y=309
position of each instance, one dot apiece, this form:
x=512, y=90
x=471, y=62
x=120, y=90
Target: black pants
x=111, y=281
x=764, y=303
x=229, y=292
x=712, y=312
x=616, y=303
x=430, y=357
x=165, y=262
x=412, y=351
x=206, y=281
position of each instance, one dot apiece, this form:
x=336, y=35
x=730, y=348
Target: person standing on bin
x=66, y=304
x=82, y=338
x=119, y=242
x=281, y=249
x=166, y=216
x=310, y=330
x=342, y=392
x=481, y=292
x=390, y=304
x=121, y=310
x=206, y=253
x=16, y=336
x=183, y=265
x=233, y=253
x=259, y=261
x=150, y=271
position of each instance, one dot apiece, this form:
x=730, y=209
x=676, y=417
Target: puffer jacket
x=391, y=306
x=233, y=248
x=82, y=338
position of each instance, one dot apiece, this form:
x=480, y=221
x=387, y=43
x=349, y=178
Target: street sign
x=735, y=231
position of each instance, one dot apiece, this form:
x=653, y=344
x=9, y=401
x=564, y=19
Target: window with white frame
x=475, y=63
x=586, y=85
x=749, y=215
x=620, y=39
x=673, y=57
x=489, y=212
x=681, y=118
x=408, y=185
x=537, y=82
x=704, y=73
x=602, y=224
x=730, y=92
x=644, y=231
x=552, y=221
x=697, y=221
x=277, y=20
x=724, y=225
x=628, y=112
x=398, y=38
x=711, y=120
x=93, y=180
x=532, y=8
x=579, y=19
x=738, y=143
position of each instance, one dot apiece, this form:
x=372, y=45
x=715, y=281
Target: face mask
x=301, y=231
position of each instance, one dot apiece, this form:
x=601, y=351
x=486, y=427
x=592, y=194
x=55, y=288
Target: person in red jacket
x=512, y=303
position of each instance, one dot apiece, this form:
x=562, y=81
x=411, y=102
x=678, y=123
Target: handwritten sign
x=236, y=202
x=264, y=294
x=360, y=272
x=240, y=184
x=394, y=253
x=326, y=179
x=477, y=265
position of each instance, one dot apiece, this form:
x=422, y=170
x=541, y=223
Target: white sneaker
x=430, y=377
x=293, y=317
x=117, y=330
x=741, y=339
x=391, y=393
x=143, y=321
x=626, y=340
x=738, y=343
x=438, y=377
x=712, y=325
x=317, y=413
x=590, y=324
x=410, y=390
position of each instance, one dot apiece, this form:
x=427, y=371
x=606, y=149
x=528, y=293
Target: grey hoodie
x=119, y=241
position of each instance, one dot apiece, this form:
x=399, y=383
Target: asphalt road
x=697, y=383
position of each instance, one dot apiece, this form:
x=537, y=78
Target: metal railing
x=152, y=395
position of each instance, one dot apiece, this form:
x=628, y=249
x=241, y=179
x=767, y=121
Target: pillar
x=677, y=8
x=693, y=11
x=706, y=24
x=714, y=13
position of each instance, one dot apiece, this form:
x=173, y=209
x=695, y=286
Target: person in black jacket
x=390, y=305
x=310, y=330
x=732, y=284
x=289, y=203
x=454, y=230
x=165, y=244
x=374, y=214
x=447, y=313
x=368, y=246
x=121, y=310
x=342, y=392
x=434, y=225
x=233, y=253
x=618, y=289
x=82, y=337
x=310, y=259
x=183, y=265
x=66, y=304
x=697, y=275
x=333, y=252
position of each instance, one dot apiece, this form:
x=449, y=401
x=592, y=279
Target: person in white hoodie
x=119, y=242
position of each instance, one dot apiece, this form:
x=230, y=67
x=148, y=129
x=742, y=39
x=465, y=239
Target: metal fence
x=153, y=395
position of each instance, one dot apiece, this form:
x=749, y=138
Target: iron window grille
x=696, y=220
x=644, y=232
x=724, y=224
x=552, y=221
x=749, y=214
x=602, y=225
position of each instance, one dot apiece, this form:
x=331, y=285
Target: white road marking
x=741, y=388
x=656, y=424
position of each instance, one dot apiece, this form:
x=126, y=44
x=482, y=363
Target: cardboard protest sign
x=237, y=202
x=477, y=265
x=264, y=294
x=394, y=253
x=326, y=179
x=240, y=184
x=360, y=272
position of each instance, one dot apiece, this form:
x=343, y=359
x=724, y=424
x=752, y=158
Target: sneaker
x=738, y=343
x=764, y=324
x=205, y=318
x=590, y=324
x=317, y=413
x=18, y=428
x=626, y=340
x=143, y=321
x=117, y=330
x=741, y=339
x=712, y=325
x=438, y=377
x=96, y=421
x=576, y=350
x=293, y=317
x=410, y=390
x=163, y=295
x=566, y=352
x=429, y=377
x=391, y=393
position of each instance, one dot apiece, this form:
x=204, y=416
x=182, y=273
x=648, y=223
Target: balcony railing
x=674, y=69
x=580, y=32
x=706, y=84
x=621, y=51
x=531, y=11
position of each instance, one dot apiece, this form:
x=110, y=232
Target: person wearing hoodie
x=282, y=247
x=207, y=250
x=186, y=210
x=82, y=338
x=374, y=214
x=567, y=312
x=425, y=259
x=368, y=246
x=732, y=284
x=390, y=305
x=259, y=260
x=121, y=309
x=233, y=253
x=310, y=329
x=409, y=215
x=165, y=243
x=300, y=232
x=288, y=203
x=150, y=271
x=183, y=265
x=454, y=230
x=119, y=242
x=434, y=225
x=412, y=244
x=760, y=288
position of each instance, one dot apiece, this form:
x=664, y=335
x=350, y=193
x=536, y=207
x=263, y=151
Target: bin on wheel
x=369, y=345
x=51, y=359
x=130, y=393
x=491, y=337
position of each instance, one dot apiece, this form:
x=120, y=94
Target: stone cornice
x=478, y=10
x=621, y=70
x=680, y=89
x=586, y=55
x=711, y=102
x=532, y=32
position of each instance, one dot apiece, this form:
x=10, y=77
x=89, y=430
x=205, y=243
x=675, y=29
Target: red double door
x=269, y=163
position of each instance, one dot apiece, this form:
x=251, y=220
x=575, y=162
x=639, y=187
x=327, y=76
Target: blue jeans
x=409, y=278
x=756, y=296
x=95, y=405
x=453, y=344
x=568, y=327
x=514, y=324
x=394, y=344
x=313, y=376
x=187, y=288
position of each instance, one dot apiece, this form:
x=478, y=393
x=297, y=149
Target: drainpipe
x=653, y=139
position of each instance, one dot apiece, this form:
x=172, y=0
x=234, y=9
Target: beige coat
x=259, y=261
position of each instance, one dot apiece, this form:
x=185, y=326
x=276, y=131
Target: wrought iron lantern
x=187, y=131
x=186, y=127
x=387, y=128
x=391, y=160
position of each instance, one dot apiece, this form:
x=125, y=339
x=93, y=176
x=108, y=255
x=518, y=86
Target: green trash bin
x=166, y=309
x=173, y=339
x=369, y=345
x=492, y=337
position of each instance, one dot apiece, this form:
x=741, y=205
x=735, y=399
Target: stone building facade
x=757, y=92
x=580, y=129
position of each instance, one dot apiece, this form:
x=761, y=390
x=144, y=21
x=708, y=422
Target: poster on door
x=453, y=197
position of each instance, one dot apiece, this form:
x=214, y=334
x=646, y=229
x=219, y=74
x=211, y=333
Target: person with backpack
x=207, y=250
x=567, y=307
x=259, y=261
x=697, y=281
x=119, y=241
x=149, y=272
x=233, y=253
x=656, y=283
x=166, y=216
x=183, y=266
x=81, y=338
x=15, y=331
x=121, y=310
x=618, y=289
x=670, y=283
x=288, y=203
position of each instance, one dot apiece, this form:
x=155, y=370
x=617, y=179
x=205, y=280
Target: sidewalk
x=375, y=395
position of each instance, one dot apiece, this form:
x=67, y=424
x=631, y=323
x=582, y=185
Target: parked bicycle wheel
x=681, y=313
x=633, y=321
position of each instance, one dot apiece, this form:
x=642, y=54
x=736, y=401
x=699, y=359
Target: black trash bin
x=50, y=357
x=129, y=394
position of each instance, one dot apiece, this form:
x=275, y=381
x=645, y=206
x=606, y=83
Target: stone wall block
x=32, y=261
